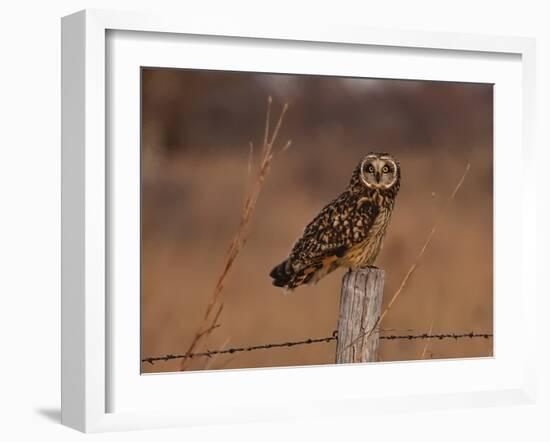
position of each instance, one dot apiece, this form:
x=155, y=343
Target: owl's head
x=379, y=171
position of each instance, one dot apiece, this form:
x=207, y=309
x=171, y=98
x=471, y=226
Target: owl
x=349, y=231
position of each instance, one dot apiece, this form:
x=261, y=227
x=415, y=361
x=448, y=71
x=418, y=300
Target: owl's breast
x=364, y=253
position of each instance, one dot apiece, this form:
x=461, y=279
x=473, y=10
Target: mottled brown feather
x=347, y=232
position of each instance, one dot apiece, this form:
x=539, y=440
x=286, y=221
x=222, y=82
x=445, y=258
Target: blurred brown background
x=196, y=126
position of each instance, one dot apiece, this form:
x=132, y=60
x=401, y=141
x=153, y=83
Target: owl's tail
x=286, y=277
x=282, y=274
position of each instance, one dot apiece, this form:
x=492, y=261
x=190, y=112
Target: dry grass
x=216, y=303
x=183, y=257
x=190, y=215
x=416, y=263
x=425, y=349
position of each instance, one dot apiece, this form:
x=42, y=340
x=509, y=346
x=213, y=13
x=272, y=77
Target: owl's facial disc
x=378, y=172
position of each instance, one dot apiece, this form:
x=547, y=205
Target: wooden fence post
x=360, y=307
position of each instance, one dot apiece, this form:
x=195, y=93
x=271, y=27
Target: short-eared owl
x=348, y=232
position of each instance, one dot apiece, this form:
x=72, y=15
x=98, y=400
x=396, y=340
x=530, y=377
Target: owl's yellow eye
x=385, y=169
x=371, y=169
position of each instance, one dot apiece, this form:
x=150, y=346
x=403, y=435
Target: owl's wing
x=337, y=228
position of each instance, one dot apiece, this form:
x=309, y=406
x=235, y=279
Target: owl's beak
x=377, y=175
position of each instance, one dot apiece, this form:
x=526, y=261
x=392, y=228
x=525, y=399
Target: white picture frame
x=87, y=203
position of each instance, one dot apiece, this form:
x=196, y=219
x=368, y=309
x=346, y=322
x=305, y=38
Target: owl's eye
x=385, y=169
x=370, y=169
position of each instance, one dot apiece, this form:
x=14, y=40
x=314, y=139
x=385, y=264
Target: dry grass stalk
x=422, y=356
x=226, y=363
x=210, y=361
x=413, y=268
x=252, y=192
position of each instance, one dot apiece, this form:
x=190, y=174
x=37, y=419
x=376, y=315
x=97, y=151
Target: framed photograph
x=274, y=222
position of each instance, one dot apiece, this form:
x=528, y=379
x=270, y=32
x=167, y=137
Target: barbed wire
x=333, y=337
